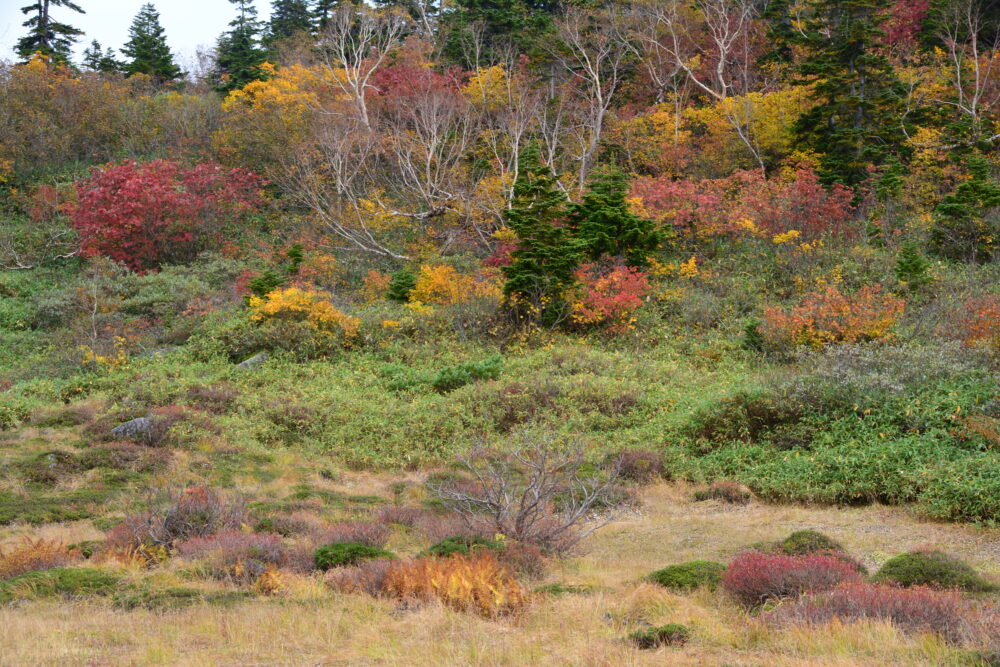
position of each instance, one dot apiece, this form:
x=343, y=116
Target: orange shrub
x=468, y=583
x=444, y=286
x=831, y=316
x=307, y=306
x=31, y=555
x=981, y=324
x=374, y=285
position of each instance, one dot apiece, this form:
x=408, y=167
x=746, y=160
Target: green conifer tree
x=99, y=59
x=912, y=268
x=46, y=35
x=238, y=53
x=147, y=48
x=546, y=253
x=606, y=226
x=857, y=121
x=967, y=222
x=288, y=18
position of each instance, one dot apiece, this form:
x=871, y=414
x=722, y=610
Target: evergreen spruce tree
x=606, y=226
x=521, y=23
x=546, y=253
x=856, y=123
x=912, y=267
x=288, y=18
x=147, y=47
x=101, y=60
x=238, y=54
x=46, y=35
x=322, y=11
x=967, y=222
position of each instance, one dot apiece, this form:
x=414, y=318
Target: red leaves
x=145, y=214
x=753, y=578
x=608, y=296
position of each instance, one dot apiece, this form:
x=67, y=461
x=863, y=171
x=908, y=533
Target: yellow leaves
x=443, y=285
x=689, y=269
x=487, y=88
x=116, y=359
x=306, y=306
x=788, y=237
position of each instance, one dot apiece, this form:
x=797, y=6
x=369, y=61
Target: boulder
x=136, y=430
x=255, y=360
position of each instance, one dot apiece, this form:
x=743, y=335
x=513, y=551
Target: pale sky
x=188, y=23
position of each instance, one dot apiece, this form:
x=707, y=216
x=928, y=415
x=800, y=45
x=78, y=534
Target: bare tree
x=534, y=492
x=593, y=49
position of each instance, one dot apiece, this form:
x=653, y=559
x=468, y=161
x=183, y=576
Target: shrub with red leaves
x=916, y=609
x=608, y=296
x=234, y=554
x=147, y=214
x=753, y=578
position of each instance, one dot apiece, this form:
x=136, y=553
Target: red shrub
x=235, y=554
x=399, y=514
x=608, y=296
x=754, y=578
x=366, y=532
x=32, y=555
x=916, y=609
x=145, y=214
x=980, y=326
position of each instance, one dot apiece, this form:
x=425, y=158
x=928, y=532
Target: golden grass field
x=307, y=624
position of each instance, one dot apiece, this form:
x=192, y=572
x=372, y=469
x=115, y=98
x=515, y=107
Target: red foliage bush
x=753, y=578
x=235, y=554
x=980, y=326
x=916, y=609
x=146, y=214
x=608, y=296
x=712, y=207
x=366, y=532
x=32, y=555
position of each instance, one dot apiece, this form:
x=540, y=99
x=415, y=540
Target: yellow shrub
x=468, y=583
x=297, y=305
x=444, y=286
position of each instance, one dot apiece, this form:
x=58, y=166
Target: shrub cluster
x=754, y=578
x=690, y=575
x=931, y=568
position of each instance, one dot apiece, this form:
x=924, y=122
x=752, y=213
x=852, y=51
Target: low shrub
x=965, y=490
x=399, y=515
x=726, y=491
x=672, y=634
x=477, y=583
x=176, y=597
x=754, y=578
x=931, y=568
x=808, y=542
x=363, y=532
x=32, y=555
x=461, y=544
x=917, y=609
x=64, y=581
x=340, y=554
x=453, y=377
x=235, y=555
x=690, y=575
x=639, y=465
x=368, y=576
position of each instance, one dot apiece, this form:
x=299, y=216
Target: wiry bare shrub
x=365, y=532
x=640, y=465
x=436, y=527
x=178, y=515
x=400, y=515
x=726, y=491
x=533, y=492
x=368, y=576
x=235, y=555
x=32, y=555
x=917, y=609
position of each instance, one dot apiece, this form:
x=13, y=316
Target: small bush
x=755, y=578
x=65, y=581
x=673, y=634
x=367, y=577
x=808, y=542
x=453, y=377
x=233, y=554
x=477, y=583
x=32, y=555
x=399, y=515
x=931, y=568
x=726, y=491
x=340, y=554
x=639, y=465
x=462, y=544
x=917, y=609
x=363, y=532
x=690, y=575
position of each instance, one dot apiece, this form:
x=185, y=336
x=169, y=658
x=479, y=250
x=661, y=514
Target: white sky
x=188, y=23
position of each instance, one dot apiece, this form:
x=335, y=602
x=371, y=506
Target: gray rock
x=255, y=360
x=138, y=429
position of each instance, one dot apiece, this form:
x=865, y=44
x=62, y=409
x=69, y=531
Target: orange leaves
x=306, y=306
x=31, y=555
x=981, y=324
x=476, y=583
x=444, y=286
x=831, y=316
x=608, y=297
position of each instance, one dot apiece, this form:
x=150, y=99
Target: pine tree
x=546, y=253
x=147, y=47
x=606, y=226
x=46, y=35
x=288, y=18
x=101, y=60
x=521, y=23
x=322, y=12
x=912, y=268
x=856, y=123
x=967, y=222
x=238, y=53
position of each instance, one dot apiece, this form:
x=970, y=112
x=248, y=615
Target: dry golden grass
x=304, y=623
